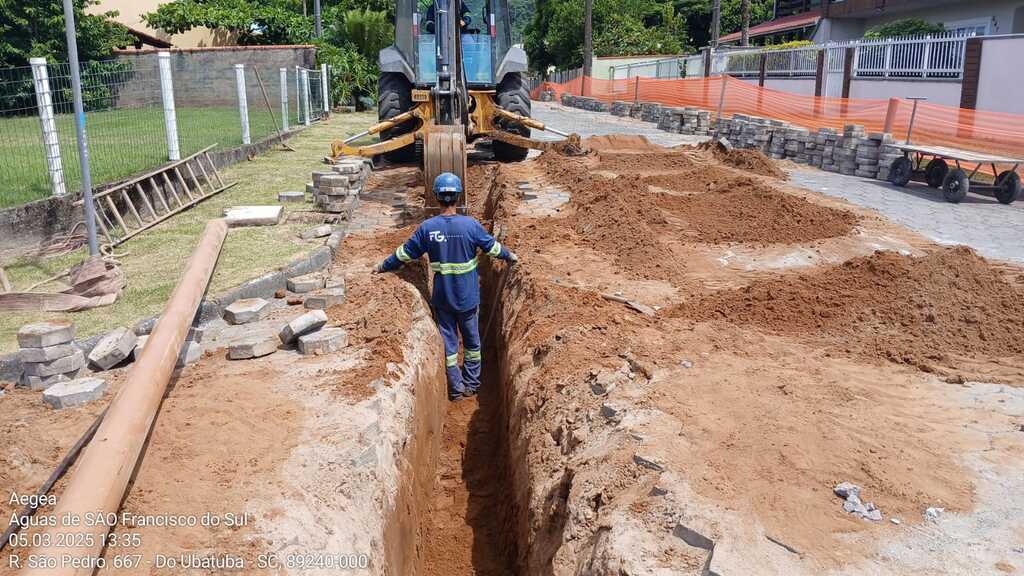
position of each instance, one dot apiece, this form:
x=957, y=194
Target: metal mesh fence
x=125, y=119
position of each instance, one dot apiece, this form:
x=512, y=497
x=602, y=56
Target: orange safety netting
x=979, y=131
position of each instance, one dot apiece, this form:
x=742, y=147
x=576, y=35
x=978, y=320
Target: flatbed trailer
x=955, y=182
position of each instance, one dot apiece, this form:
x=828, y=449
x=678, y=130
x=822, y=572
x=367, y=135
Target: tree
x=367, y=30
x=264, y=22
x=744, y=22
x=35, y=28
x=621, y=27
x=698, y=17
x=904, y=27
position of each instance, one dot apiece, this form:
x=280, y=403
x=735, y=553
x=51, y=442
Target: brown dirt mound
x=621, y=142
x=631, y=163
x=917, y=311
x=750, y=161
x=703, y=179
x=749, y=212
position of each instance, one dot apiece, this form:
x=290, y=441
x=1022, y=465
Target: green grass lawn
x=154, y=260
x=121, y=143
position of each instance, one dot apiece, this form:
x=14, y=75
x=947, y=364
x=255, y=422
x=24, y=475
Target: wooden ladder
x=155, y=196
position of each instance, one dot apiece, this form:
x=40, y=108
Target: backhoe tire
x=395, y=98
x=514, y=96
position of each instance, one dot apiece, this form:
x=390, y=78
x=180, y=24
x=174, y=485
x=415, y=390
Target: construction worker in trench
x=451, y=241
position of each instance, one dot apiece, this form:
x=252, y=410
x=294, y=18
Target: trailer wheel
x=514, y=96
x=901, y=171
x=935, y=172
x=955, y=186
x=395, y=98
x=1007, y=186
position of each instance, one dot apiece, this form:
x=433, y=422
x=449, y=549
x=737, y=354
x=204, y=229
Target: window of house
x=979, y=26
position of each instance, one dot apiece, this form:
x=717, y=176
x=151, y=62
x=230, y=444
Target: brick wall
x=206, y=76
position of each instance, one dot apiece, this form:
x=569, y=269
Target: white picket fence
x=933, y=56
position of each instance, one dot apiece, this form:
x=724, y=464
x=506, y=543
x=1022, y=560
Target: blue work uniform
x=451, y=242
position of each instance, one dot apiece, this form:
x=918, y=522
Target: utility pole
x=318, y=29
x=83, y=145
x=745, y=16
x=588, y=38
x=716, y=21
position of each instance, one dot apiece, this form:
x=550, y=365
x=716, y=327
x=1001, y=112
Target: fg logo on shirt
x=437, y=236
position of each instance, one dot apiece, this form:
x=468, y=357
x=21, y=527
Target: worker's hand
x=512, y=258
x=378, y=269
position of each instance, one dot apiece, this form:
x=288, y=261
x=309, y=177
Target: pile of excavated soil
x=703, y=179
x=611, y=216
x=750, y=212
x=914, y=310
x=749, y=161
x=377, y=309
x=632, y=162
x=613, y=142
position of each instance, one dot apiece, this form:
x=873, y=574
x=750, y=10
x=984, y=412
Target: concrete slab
x=326, y=298
x=28, y=355
x=74, y=392
x=307, y=283
x=291, y=196
x=113, y=348
x=63, y=365
x=246, y=310
x=254, y=347
x=302, y=325
x=326, y=341
x=253, y=216
x=43, y=334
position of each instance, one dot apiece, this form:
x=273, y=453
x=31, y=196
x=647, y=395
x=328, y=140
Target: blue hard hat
x=447, y=188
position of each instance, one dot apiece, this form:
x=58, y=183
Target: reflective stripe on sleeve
x=401, y=255
x=448, y=268
x=495, y=250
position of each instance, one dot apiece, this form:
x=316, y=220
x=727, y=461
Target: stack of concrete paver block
x=620, y=108
x=695, y=122
x=830, y=140
x=816, y=146
x=868, y=154
x=566, y=99
x=547, y=95
x=671, y=119
x=336, y=191
x=48, y=355
x=74, y=392
x=796, y=141
x=650, y=112
x=887, y=154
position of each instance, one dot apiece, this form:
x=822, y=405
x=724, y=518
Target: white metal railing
x=934, y=56
x=673, y=67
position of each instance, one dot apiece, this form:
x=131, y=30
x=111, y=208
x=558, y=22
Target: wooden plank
x=145, y=200
x=117, y=215
x=957, y=154
x=184, y=184
x=167, y=181
x=131, y=206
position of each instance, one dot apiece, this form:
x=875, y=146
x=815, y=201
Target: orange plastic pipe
x=100, y=479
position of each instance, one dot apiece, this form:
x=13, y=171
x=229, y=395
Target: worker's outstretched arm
x=413, y=248
x=492, y=247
